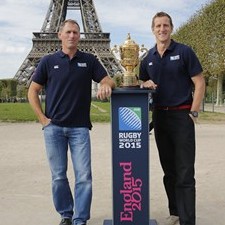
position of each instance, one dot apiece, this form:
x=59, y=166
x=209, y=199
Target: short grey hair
x=68, y=21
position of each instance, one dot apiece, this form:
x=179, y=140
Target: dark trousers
x=175, y=139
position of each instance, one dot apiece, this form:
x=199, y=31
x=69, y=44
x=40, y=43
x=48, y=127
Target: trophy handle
x=143, y=49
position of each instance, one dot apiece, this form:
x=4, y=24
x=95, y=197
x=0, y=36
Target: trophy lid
x=129, y=42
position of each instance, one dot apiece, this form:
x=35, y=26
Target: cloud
x=19, y=19
x=121, y=17
x=11, y=49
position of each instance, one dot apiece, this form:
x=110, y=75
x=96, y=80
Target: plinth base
x=109, y=222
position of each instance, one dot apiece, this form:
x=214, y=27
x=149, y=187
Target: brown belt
x=180, y=107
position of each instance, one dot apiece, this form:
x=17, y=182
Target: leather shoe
x=66, y=221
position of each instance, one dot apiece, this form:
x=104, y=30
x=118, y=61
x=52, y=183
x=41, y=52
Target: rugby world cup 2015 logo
x=130, y=119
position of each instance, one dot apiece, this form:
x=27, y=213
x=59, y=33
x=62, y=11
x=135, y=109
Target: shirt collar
x=170, y=48
x=62, y=54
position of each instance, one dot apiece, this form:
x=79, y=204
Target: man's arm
x=199, y=84
x=33, y=97
x=105, y=89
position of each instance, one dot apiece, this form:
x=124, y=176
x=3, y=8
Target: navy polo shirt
x=172, y=73
x=68, y=86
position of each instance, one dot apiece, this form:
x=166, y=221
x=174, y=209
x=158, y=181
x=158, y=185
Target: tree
x=205, y=33
x=8, y=89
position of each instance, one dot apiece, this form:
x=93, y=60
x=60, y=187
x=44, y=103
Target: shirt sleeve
x=192, y=62
x=40, y=74
x=99, y=72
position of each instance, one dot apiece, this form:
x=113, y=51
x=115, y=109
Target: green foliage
x=22, y=91
x=8, y=88
x=205, y=33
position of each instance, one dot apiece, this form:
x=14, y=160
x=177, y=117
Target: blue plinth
x=130, y=157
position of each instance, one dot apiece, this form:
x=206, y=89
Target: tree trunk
x=219, y=97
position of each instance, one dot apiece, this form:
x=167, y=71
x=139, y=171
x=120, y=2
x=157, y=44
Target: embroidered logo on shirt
x=56, y=67
x=150, y=64
x=82, y=64
x=176, y=57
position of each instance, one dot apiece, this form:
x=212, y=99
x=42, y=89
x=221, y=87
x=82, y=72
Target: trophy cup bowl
x=129, y=59
x=129, y=54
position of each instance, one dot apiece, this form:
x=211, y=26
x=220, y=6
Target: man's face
x=162, y=29
x=70, y=36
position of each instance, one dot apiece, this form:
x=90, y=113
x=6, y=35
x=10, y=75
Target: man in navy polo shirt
x=174, y=71
x=67, y=78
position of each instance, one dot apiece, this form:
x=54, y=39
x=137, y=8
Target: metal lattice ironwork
x=46, y=41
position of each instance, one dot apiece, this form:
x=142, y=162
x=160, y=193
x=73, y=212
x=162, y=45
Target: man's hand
x=106, y=86
x=149, y=84
x=45, y=122
x=104, y=91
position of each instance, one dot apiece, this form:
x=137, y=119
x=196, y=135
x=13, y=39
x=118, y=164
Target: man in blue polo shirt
x=174, y=71
x=67, y=78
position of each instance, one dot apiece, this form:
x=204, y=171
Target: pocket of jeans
x=47, y=125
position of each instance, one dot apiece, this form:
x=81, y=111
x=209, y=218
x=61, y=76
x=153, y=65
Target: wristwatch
x=194, y=114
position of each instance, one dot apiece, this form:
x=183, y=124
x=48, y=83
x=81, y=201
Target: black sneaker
x=66, y=221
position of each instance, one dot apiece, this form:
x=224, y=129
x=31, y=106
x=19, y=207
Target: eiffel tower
x=93, y=40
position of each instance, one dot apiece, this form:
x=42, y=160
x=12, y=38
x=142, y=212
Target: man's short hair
x=161, y=14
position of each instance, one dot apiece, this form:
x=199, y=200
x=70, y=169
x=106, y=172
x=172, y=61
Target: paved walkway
x=25, y=192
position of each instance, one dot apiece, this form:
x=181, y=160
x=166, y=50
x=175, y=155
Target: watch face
x=194, y=113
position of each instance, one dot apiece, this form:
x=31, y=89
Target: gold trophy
x=129, y=55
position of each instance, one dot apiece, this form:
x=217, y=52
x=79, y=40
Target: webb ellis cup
x=129, y=59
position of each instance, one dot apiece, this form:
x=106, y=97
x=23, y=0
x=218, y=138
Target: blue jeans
x=57, y=140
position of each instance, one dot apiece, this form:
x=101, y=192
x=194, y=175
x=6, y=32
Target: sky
x=19, y=19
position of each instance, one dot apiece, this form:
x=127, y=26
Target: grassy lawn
x=100, y=112
x=211, y=117
x=22, y=112
x=16, y=112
